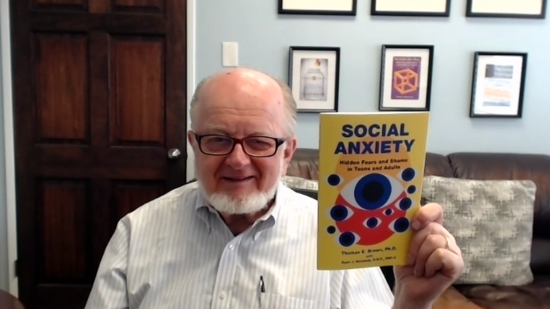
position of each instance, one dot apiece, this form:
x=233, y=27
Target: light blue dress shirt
x=176, y=252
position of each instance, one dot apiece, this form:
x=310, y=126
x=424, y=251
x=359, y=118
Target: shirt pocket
x=276, y=301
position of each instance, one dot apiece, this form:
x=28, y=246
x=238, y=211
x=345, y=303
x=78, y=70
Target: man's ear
x=191, y=137
x=290, y=149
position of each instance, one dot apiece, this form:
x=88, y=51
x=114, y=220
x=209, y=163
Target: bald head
x=262, y=88
x=241, y=78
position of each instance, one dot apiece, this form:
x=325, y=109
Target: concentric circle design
x=408, y=174
x=372, y=191
x=405, y=203
x=339, y=213
x=401, y=225
x=334, y=180
x=347, y=239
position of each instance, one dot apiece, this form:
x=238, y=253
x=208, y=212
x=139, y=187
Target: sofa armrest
x=453, y=299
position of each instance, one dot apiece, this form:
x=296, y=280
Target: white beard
x=248, y=204
x=251, y=203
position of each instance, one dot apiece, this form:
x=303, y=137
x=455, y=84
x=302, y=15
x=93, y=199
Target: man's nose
x=237, y=158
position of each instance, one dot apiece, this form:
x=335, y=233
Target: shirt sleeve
x=365, y=288
x=110, y=287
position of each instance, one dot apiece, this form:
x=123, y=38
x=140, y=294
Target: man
x=238, y=238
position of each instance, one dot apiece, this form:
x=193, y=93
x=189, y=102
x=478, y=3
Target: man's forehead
x=243, y=81
x=243, y=97
x=243, y=107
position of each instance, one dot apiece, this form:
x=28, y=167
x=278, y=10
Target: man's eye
x=217, y=140
x=260, y=143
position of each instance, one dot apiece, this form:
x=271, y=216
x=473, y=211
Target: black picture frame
x=500, y=11
x=498, y=107
x=307, y=66
x=415, y=60
x=312, y=10
x=403, y=12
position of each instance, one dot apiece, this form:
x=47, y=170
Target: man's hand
x=434, y=262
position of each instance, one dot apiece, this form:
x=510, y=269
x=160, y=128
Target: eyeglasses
x=254, y=146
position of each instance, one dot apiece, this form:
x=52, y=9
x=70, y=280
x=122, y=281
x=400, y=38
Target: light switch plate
x=230, y=54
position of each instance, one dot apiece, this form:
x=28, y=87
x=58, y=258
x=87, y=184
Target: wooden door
x=99, y=100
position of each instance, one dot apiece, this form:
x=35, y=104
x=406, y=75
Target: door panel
x=99, y=99
x=62, y=68
x=63, y=209
x=137, y=80
x=128, y=195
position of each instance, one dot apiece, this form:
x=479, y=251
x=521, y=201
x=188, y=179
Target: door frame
x=9, y=164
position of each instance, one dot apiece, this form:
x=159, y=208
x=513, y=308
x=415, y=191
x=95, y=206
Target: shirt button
x=222, y=295
x=231, y=247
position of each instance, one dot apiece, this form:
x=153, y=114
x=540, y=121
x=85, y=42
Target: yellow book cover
x=371, y=167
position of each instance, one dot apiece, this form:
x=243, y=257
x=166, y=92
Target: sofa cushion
x=492, y=223
x=511, y=166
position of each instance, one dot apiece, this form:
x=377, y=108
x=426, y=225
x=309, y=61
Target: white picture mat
x=297, y=56
x=388, y=77
x=530, y=7
x=483, y=61
x=411, y=5
x=332, y=5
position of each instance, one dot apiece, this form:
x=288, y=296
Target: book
x=371, y=168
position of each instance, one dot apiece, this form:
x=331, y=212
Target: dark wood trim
x=56, y=21
x=24, y=163
x=177, y=82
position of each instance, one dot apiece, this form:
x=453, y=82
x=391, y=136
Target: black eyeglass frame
x=278, y=143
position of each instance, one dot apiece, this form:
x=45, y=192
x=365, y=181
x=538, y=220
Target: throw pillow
x=492, y=221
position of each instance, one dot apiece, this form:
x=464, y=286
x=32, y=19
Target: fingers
x=447, y=263
x=421, y=236
x=433, y=249
x=428, y=213
x=427, y=240
x=433, y=244
x=428, y=252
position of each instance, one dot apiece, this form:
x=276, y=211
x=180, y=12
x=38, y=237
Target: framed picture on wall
x=433, y=8
x=498, y=84
x=318, y=7
x=406, y=77
x=313, y=76
x=506, y=8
